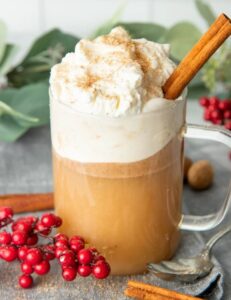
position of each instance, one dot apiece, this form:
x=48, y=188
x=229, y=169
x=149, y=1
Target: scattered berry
x=5, y=238
x=67, y=259
x=32, y=239
x=5, y=212
x=204, y=101
x=19, y=237
x=43, y=230
x=70, y=253
x=84, y=270
x=34, y=256
x=8, y=253
x=60, y=236
x=48, y=220
x=42, y=268
x=27, y=268
x=69, y=274
x=58, y=222
x=22, y=252
x=85, y=256
x=101, y=270
x=25, y=281
x=228, y=125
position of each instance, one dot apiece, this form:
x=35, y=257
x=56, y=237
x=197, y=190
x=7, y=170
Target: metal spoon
x=189, y=269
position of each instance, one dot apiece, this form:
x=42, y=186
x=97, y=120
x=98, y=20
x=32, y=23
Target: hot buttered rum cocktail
x=117, y=149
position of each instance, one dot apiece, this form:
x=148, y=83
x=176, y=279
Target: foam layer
x=97, y=139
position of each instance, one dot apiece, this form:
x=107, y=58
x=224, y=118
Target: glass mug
x=130, y=211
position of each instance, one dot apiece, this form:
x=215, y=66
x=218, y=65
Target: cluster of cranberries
x=22, y=244
x=217, y=111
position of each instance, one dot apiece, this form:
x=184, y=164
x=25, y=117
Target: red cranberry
x=216, y=115
x=101, y=270
x=19, y=237
x=49, y=252
x=228, y=125
x=5, y=238
x=227, y=114
x=48, y=220
x=60, y=250
x=84, y=270
x=42, y=229
x=204, y=101
x=207, y=115
x=6, y=212
x=25, y=281
x=217, y=122
x=22, y=251
x=69, y=274
x=214, y=102
x=99, y=258
x=94, y=250
x=27, y=268
x=85, y=256
x=42, y=268
x=34, y=256
x=22, y=226
x=224, y=105
x=58, y=222
x=61, y=243
x=8, y=253
x=32, y=240
x=60, y=236
x=67, y=258
x=76, y=245
x=76, y=238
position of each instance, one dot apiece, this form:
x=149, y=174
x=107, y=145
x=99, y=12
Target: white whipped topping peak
x=112, y=75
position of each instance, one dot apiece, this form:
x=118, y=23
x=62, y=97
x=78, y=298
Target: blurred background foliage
x=24, y=100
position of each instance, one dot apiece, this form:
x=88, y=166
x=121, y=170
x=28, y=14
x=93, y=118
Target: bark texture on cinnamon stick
x=139, y=290
x=218, y=32
x=28, y=202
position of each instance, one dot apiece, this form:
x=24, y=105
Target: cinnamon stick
x=28, y=202
x=139, y=290
x=218, y=32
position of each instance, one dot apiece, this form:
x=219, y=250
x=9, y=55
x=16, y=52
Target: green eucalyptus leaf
x=19, y=117
x=22, y=109
x=31, y=100
x=9, y=54
x=50, y=40
x=182, y=38
x=46, y=51
x=205, y=11
x=2, y=38
x=10, y=130
x=150, y=31
x=106, y=27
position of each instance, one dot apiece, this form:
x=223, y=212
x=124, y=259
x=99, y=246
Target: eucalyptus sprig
x=24, y=102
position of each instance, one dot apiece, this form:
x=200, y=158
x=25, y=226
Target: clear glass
x=130, y=211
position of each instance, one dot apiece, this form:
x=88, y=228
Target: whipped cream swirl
x=113, y=75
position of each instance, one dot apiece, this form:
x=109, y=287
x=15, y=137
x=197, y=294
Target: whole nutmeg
x=200, y=175
x=187, y=164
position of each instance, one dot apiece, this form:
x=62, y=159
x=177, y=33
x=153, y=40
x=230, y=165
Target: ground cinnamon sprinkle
x=87, y=81
x=142, y=60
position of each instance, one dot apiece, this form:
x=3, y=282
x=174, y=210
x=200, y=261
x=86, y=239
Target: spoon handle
x=217, y=236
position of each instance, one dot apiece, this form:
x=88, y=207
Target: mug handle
x=206, y=222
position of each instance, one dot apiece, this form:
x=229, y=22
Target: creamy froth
x=112, y=75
